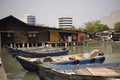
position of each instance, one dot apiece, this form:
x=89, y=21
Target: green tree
x=88, y=27
x=95, y=27
x=117, y=27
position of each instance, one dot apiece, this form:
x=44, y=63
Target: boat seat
x=47, y=59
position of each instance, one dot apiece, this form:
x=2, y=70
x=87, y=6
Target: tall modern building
x=112, y=19
x=29, y=19
x=65, y=22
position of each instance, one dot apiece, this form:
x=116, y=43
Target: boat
x=87, y=73
x=28, y=63
x=50, y=71
x=38, y=52
x=70, y=60
x=95, y=56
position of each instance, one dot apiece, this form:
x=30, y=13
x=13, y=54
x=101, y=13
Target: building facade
x=111, y=20
x=29, y=19
x=16, y=33
x=65, y=22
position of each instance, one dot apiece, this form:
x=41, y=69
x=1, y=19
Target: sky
x=48, y=11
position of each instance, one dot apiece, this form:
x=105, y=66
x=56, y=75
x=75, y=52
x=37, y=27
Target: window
x=8, y=35
x=32, y=35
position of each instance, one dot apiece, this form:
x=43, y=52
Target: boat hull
x=27, y=65
x=46, y=73
x=32, y=54
x=49, y=74
x=30, y=66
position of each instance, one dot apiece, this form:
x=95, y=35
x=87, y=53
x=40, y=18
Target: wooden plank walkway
x=83, y=71
x=101, y=71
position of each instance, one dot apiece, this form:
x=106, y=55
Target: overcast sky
x=48, y=11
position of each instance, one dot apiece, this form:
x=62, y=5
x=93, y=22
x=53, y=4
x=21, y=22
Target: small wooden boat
x=38, y=52
x=87, y=58
x=70, y=60
x=75, y=59
x=87, y=73
x=50, y=71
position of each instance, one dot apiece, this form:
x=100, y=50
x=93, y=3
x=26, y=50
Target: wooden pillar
x=58, y=44
x=18, y=45
x=74, y=43
x=11, y=45
x=15, y=45
x=32, y=44
x=28, y=45
x=50, y=45
x=77, y=43
x=43, y=44
x=23, y=45
x=55, y=44
x=36, y=44
x=66, y=44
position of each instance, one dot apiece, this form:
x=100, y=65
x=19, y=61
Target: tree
x=95, y=27
x=117, y=27
x=38, y=24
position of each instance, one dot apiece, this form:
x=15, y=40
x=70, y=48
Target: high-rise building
x=29, y=19
x=112, y=19
x=65, y=22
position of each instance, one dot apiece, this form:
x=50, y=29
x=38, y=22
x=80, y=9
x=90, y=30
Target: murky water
x=16, y=72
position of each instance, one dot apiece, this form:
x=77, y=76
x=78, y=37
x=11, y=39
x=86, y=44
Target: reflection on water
x=13, y=69
x=16, y=72
x=30, y=76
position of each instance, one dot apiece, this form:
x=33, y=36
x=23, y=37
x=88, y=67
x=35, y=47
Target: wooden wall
x=21, y=32
x=81, y=36
x=54, y=36
x=42, y=36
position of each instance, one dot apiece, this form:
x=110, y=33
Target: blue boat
x=58, y=60
x=27, y=65
x=99, y=59
x=50, y=71
x=39, y=53
x=82, y=72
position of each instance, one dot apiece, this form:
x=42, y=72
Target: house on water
x=16, y=33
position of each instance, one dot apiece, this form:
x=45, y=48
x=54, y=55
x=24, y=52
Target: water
x=15, y=71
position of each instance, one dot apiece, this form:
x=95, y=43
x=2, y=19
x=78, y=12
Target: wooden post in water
x=23, y=45
x=55, y=44
x=66, y=44
x=28, y=45
x=11, y=45
x=36, y=44
x=14, y=45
